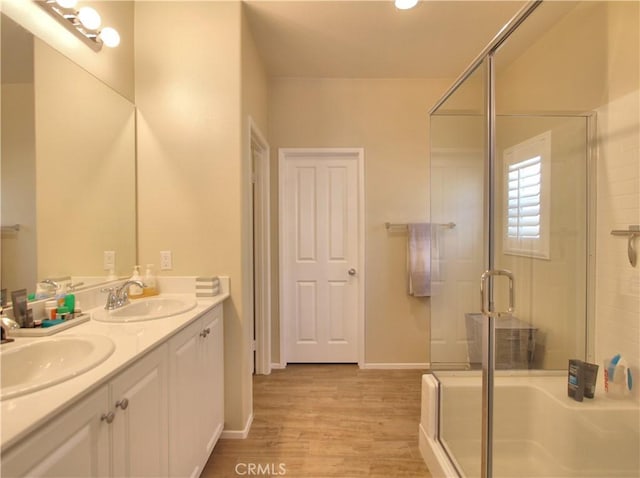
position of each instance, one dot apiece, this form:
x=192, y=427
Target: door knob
x=352, y=272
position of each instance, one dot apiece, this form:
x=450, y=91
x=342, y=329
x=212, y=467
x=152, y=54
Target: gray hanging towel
x=419, y=259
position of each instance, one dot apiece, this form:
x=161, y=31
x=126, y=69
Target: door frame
x=261, y=178
x=285, y=154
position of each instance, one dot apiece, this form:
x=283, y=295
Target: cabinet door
x=185, y=399
x=75, y=444
x=140, y=428
x=212, y=381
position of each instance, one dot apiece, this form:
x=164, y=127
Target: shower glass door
x=458, y=258
x=547, y=83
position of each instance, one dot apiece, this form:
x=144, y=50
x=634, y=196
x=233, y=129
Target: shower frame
x=486, y=60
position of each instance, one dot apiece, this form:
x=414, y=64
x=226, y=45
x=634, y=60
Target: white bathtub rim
x=555, y=388
x=435, y=457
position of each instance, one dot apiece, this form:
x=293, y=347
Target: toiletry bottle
x=61, y=295
x=70, y=304
x=150, y=281
x=50, y=307
x=135, y=290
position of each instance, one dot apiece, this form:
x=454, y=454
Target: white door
x=457, y=253
x=320, y=254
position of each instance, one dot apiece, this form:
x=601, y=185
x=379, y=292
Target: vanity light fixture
x=405, y=4
x=83, y=23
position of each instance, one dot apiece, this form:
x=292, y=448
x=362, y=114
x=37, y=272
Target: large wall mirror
x=67, y=168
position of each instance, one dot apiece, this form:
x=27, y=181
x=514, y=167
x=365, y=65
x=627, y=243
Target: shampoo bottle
x=150, y=281
x=135, y=290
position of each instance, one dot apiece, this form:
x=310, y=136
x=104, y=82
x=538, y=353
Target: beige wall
x=254, y=108
x=560, y=69
x=618, y=284
x=388, y=118
x=114, y=66
x=190, y=193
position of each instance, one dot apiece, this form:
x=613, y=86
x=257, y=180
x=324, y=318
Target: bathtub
x=538, y=431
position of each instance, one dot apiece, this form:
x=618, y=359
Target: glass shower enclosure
x=513, y=158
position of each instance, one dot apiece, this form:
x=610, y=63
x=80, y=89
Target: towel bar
x=391, y=225
x=632, y=232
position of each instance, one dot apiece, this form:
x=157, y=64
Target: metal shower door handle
x=485, y=293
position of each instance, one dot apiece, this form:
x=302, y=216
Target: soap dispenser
x=150, y=281
x=135, y=290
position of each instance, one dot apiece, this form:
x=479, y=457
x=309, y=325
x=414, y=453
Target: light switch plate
x=166, y=262
x=109, y=260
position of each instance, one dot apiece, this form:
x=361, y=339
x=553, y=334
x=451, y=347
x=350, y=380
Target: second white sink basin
x=48, y=361
x=146, y=309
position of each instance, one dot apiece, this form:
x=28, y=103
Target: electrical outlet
x=166, y=262
x=109, y=260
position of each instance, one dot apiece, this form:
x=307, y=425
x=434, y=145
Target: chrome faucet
x=119, y=296
x=7, y=324
x=51, y=283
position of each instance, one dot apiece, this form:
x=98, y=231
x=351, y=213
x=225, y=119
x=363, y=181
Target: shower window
x=527, y=179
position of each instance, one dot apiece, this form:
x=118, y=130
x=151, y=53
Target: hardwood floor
x=328, y=421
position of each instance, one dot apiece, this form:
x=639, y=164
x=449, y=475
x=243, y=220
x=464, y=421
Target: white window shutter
x=527, y=187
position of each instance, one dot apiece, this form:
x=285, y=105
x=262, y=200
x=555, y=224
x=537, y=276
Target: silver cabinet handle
x=484, y=293
x=203, y=334
x=123, y=404
x=352, y=272
x=107, y=417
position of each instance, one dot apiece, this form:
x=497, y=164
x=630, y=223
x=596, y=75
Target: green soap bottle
x=70, y=303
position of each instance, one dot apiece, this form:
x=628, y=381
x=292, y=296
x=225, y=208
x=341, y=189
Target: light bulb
x=89, y=18
x=406, y=4
x=110, y=37
x=67, y=3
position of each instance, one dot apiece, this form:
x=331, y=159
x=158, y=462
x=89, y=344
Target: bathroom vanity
x=154, y=407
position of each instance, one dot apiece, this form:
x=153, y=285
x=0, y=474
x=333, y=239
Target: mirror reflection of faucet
x=46, y=288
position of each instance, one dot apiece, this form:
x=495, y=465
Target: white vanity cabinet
x=74, y=444
x=119, y=430
x=141, y=416
x=160, y=416
x=196, y=380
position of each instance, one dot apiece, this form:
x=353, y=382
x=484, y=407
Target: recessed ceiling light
x=406, y=4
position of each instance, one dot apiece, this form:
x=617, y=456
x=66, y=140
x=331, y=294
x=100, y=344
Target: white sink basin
x=46, y=362
x=146, y=309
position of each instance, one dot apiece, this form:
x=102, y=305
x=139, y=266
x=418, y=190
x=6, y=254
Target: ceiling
x=371, y=38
